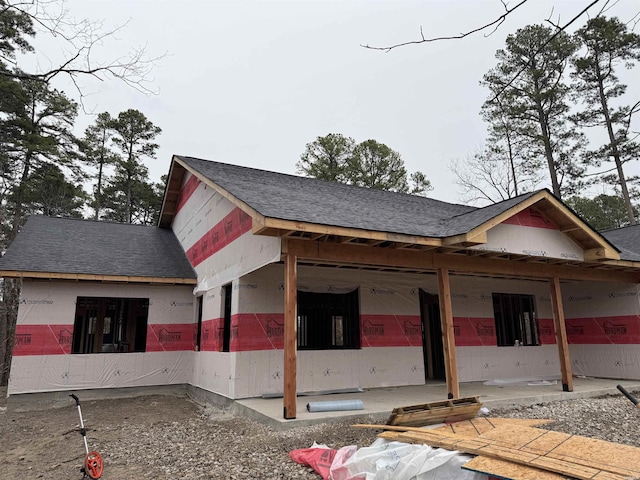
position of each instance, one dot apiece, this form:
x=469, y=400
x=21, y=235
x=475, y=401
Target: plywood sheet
x=509, y=470
x=517, y=442
x=500, y=449
x=479, y=425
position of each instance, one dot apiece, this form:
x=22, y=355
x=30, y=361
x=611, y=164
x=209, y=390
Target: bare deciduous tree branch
x=81, y=40
x=494, y=25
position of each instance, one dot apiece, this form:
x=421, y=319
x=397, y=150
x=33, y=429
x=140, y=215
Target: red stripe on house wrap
x=222, y=234
x=546, y=331
x=171, y=337
x=604, y=330
x=474, y=332
x=390, y=331
x=186, y=191
x=531, y=218
x=211, y=337
x=257, y=331
x=43, y=339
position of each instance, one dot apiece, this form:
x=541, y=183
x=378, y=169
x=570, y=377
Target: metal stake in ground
x=93, y=466
x=624, y=391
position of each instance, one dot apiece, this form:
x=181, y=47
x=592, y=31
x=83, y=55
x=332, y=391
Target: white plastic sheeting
x=385, y=460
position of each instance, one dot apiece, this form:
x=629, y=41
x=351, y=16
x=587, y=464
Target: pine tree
x=608, y=44
x=529, y=82
x=97, y=153
x=133, y=136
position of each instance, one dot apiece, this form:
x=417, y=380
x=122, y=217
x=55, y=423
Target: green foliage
x=97, y=153
x=608, y=44
x=368, y=164
x=38, y=133
x=15, y=26
x=603, y=212
x=377, y=166
x=534, y=104
x=328, y=158
x=128, y=197
x=48, y=192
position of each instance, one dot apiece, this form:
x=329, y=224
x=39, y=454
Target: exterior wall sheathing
x=603, y=329
x=603, y=320
x=42, y=359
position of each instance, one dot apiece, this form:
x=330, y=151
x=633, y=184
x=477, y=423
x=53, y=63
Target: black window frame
x=123, y=322
x=516, y=319
x=328, y=321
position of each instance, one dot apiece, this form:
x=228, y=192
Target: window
x=328, y=320
x=199, y=320
x=109, y=325
x=226, y=318
x=516, y=319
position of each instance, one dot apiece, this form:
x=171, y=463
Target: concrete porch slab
x=379, y=402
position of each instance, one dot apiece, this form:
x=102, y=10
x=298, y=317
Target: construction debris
x=519, y=443
x=435, y=412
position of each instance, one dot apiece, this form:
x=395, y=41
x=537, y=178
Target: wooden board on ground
x=509, y=470
x=479, y=425
x=435, y=412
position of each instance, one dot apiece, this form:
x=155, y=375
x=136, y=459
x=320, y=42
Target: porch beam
x=290, y=336
x=561, y=334
x=448, y=340
x=391, y=257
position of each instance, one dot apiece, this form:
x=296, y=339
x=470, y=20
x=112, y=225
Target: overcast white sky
x=250, y=83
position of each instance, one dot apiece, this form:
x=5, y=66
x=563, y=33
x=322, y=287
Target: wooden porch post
x=448, y=340
x=561, y=334
x=290, y=335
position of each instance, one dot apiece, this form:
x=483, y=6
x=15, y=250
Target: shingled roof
x=87, y=247
x=288, y=205
x=303, y=199
x=627, y=240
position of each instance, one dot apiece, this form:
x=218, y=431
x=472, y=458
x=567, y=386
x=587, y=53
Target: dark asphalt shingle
x=303, y=199
x=627, y=240
x=290, y=197
x=65, y=245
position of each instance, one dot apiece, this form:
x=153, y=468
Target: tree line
x=558, y=114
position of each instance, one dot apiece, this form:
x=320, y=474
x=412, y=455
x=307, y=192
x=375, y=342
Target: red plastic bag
x=320, y=459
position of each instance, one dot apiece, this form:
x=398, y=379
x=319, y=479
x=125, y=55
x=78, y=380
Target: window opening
x=226, y=331
x=328, y=321
x=109, y=325
x=516, y=319
x=199, y=331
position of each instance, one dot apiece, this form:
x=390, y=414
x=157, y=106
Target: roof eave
x=596, y=247
x=97, y=277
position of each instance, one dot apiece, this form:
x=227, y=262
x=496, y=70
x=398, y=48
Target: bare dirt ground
x=167, y=437
x=160, y=437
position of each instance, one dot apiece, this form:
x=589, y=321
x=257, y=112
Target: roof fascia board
x=466, y=239
x=290, y=225
x=97, y=278
x=606, y=251
x=254, y=214
x=165, y=217
x=374, y=256
x=498, y=219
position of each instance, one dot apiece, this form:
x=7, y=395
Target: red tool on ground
x=93, y=466
x=633, y=399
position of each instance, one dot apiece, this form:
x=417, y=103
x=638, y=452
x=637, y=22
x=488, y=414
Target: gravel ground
x=167, y=437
